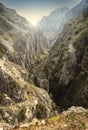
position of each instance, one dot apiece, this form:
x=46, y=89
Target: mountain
x=26, y=63
x=80, y=8
x=19, y=38
x=20, y=45
x=10, y=20
x=66, y=67
x=52, y=25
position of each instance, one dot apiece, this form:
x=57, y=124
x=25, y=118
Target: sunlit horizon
x=34, y=23
x=34, y=10
x=34, y=18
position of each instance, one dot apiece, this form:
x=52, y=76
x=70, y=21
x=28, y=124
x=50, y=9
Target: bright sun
x=34, y=23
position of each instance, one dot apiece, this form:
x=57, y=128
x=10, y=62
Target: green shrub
x=77, y=31
x=21, y=114
x=69, y=24
x=2, y=51
x=71, y=116
x=41, y=111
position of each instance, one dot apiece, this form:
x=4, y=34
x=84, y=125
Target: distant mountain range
x=80, y=8
x=53, y=24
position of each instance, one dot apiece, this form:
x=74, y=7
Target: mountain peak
x=60, y=10
x=4, y=8
x=85, y=1
x=1, y=4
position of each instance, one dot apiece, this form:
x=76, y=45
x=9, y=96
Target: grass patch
x=71, y=116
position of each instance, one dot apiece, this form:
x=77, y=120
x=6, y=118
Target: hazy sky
x=34, y=10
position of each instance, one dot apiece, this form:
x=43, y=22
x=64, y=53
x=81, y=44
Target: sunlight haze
x=34, y=10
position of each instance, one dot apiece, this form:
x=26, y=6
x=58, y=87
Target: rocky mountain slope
x=80, y=8
x=23, y=42
x=63, y=74
x=66, y=67
x=52, y=25
x=20, y=101
x=75, y=118
x=20, y=45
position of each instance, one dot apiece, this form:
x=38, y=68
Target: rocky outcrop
x=75, y=118
x=20, y=102
x=20, y=46
x=44, y=83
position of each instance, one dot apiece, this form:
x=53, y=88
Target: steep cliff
x=52, y=25
x=63, y=73
x=23, y=42
x=20, y=102
x=66, y=67
x=20, y=45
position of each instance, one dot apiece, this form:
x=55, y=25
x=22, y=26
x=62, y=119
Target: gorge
x=44, y=70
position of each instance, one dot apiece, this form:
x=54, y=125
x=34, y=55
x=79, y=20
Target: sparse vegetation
x=77, y=31
x=71, y=116
x=21, y=114
x=68, y=121
x=41, y=111
x=2, y=50
x=67, y=80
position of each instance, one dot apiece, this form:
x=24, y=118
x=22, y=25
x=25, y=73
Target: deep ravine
x=44, y=87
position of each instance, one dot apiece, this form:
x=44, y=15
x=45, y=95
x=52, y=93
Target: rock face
x=20, y=101
x=63, y=73
x=44, y=83
x=66, y=67
x=80, y=8
x=52, y=25
x=20, y=45
x=23, y=43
